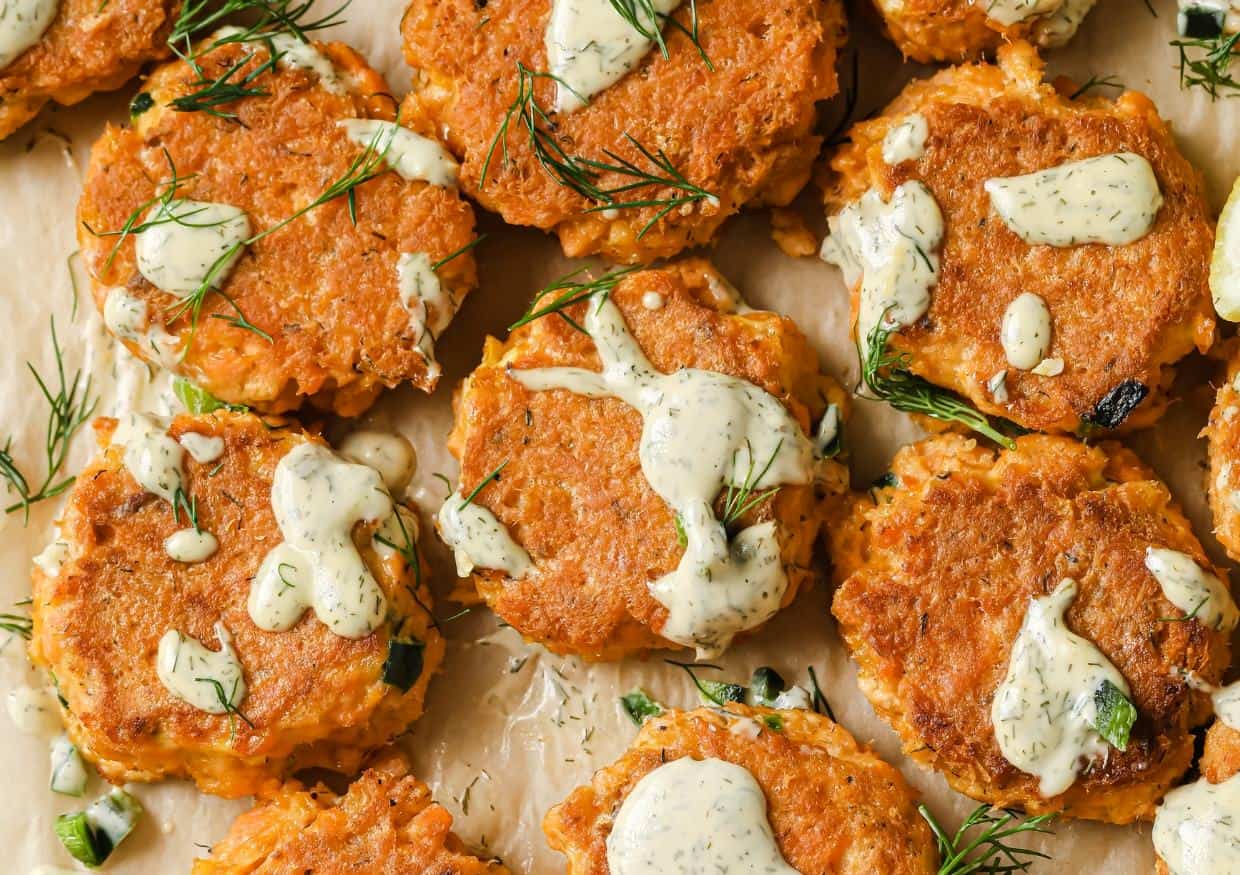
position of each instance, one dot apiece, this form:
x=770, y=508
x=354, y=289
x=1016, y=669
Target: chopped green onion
x=1115, y=716
x=403, y=665
x=90, y=836
x=640, y=707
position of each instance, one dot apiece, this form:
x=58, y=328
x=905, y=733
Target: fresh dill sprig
x=459, y=252
x=1191, y=615
x=739, y=500
x=988, y=851
x=207, y=94
x=408, y=551
x=718, y=693
x=887, y=377
x=648, y=22
x=183, y=501
x=226, y=702
x=583, y=175
x=1206, y=63
x=16, y=624
x=817, y=699
x=1096, y=82
x=69, y=406
x=492, y=477
x=567, y=291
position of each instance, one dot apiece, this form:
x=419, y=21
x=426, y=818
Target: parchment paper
x=511, y=729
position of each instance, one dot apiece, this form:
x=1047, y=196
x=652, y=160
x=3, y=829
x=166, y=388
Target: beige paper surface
x=511, y=729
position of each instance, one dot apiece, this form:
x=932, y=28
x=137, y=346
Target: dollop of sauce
x=1044, y=711
x=1192, y=589
x=191, y=545
x=127, y=318
x=701, y=430
x=1026, y=331
x=891, y=248
x=1051, y=367
x=411, y=155
x=294, y=53
x=1226, y=701
x=32, y=710
x=22, y=24
x=1058, y=19
x=183, y=249
x=429, y=305
x=153, y=459
x=906, y=141
x=591, y=47
x=53, y=557
x=700, y=816
x=388, y=453
x=1196, y=829
x=191, y=672
x=1009, y=12
x=479, y=540
x=318, y=499
x=653, y=301
x=1111, y=199
x=201, y=447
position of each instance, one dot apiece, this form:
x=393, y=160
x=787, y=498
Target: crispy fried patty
x=833, y=805
x=323, y=288
x=1121, y=315
x=386, y=824
x=88, y=47
x=937, y=569
x=1223, y=477
x=314, y=698
x=743, y=133
x=573, y=493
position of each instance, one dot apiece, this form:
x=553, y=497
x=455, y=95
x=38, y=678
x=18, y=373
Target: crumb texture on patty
x=957, y=30
x=386, y=824
x=742, y=132
x=1223, y=475
x=325, y=289
x=936, y=571
x=1120, y=315
x=573, y=492
x=833, y=805
x=88, y=47
x=313, y=698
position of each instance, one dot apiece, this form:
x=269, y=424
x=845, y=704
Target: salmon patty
x=832, y=804
x=1223, y=477
x=956, y=562
x=959, y=30
x=85, y=46
x=1209, y=827
x=286, y=247
x=384, y=825
x=147, y=607
x=997, y=295
x=701, y=138
x=589, y=541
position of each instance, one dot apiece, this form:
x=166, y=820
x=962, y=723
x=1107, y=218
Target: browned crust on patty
x=88, y=47
x=314, y=698
x=1118, y=313
x=833, y=805
x=948, y=30
x=937, y=571
x=573, y=493
x=743, y=132
x=1223, y=475
x=322, y=287
x=386, y=824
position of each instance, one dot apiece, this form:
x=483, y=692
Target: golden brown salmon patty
x=959, y=30
x=833, y=805
x=386, y=824
x=1223, y=477
x=312, y=697
x=1121, y=316
x=1220, y=760
x=324, y=290
x=88, y=47
x=937, y=568
x=572, y=491
x=743, y=133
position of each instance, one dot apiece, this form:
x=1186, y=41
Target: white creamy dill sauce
x=388, y=453
x=1192, y=589
x=191, y=545
x=891, y=248
x=202, y=448
x=127, y=317
x=53, y=557
x=411, y=155
x=906, y=140
x=294, y=53
x=1226, y=701
x=153, y=459
x=701, y=431
x=189, y=244
x=209, y=680
x=318, y=499
x=1111, y=199
x=428, y=303
x=479, y=540
x=399, y=533
x=1057, y=20
x=1044, y=710
x=1026, y=331
x=1009, y=12
x=1197, y=828
x=695, y=816
x=33, y=710
x=591, y=47
x=22, y=24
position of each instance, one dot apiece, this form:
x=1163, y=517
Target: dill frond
x=1206, y=64
x=567, y=291
x=988, y=850
x=490, y=478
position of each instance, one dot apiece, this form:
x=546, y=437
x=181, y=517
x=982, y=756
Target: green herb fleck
x=639, y=706
x=1115, y=715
